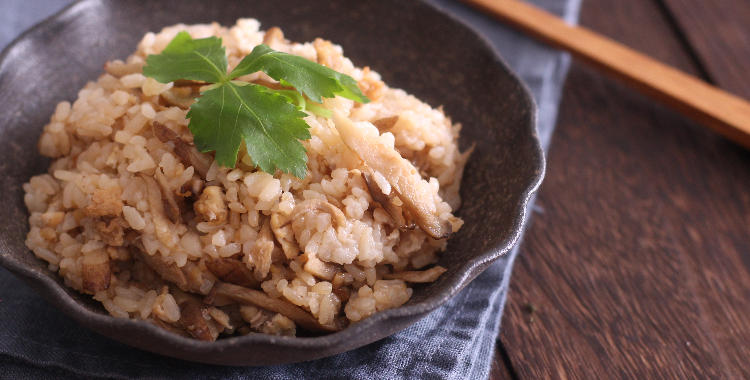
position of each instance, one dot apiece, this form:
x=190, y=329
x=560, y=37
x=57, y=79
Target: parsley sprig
x=230, y=112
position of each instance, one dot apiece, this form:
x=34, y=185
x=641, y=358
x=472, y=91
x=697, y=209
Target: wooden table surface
x=637, y=262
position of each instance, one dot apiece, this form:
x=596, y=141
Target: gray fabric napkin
x=456, y=341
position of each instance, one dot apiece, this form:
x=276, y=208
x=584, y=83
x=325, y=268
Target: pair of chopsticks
x=721, y=111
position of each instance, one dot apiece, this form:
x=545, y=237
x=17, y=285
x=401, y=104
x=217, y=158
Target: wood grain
x=637, y=263
x=719, y=32
x=500, y=369
x=727, y=114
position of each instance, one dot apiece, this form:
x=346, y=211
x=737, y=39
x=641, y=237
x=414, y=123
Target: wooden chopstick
x=725, y=113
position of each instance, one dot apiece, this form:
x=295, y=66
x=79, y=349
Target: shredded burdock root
x=390, y=203
x=96, y=271
x=403, y=177
x=160, y=219
x=233, y=271
x=185, y=151
x=257, y=298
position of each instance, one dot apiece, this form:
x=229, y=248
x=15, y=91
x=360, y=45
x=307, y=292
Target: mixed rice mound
x=132, y=214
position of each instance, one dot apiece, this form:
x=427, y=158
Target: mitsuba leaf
x=271, y=127
x=309, y=78
x=229, y=113
x=185, y=58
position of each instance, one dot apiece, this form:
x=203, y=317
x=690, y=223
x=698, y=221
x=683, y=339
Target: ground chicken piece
x=261, y=252
x=327, y=54
x=111, y=232
x=105, y=202
x=370, y=86
x=211, y=207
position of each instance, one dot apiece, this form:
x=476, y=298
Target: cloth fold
x=456, y=341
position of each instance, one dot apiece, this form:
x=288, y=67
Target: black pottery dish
x=412, y=44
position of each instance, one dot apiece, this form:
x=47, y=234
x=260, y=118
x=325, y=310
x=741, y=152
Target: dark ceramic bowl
x=413, y=45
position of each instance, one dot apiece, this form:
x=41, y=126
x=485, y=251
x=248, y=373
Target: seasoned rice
x=132, y=214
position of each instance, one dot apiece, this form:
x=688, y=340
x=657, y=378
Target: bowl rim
x=58, y=296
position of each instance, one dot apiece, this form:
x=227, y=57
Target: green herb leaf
x=270, y=122
x=185, y=58
x=270, y=126
x=297, y=99
x=314, y=80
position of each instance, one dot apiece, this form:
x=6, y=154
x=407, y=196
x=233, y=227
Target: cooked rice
x=123, y=215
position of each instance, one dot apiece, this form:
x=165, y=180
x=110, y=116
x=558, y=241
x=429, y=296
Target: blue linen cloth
x=456, y=341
